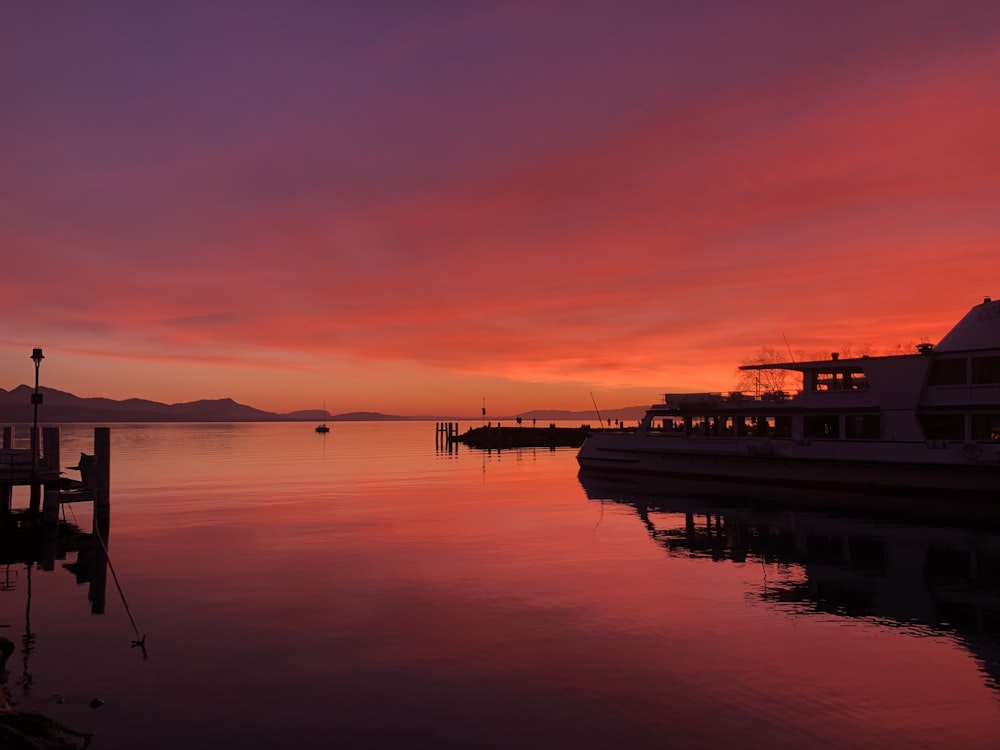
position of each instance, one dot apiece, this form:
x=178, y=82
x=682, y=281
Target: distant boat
x=323, y=428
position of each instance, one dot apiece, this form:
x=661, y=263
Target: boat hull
x=672, y=495
x=787, y=464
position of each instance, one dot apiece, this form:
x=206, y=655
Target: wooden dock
x=40, y=471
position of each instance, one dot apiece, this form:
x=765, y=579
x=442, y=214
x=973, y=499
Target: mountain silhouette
x=59, y=407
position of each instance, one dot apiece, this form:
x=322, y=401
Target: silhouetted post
x=49, y=550
x=102, y=472
x=442, y=431
x=99, y=565
x=50, y=529
x=50, y=448
x=35, y=497
x=50, y=508
x=6, y=490
x=36, y=399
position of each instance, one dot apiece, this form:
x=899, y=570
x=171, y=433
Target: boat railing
x=694, y=400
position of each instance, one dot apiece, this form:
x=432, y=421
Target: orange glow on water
x=365, y=569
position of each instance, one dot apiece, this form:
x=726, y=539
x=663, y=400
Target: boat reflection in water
x=887, y=565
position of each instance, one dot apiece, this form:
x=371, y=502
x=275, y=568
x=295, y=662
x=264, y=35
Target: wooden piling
x=50, y=507
x=50, y=448
x=102, y=472
x=6, y=491
x=445, y=433
x=41, y=474
x=48, y=551
x=35, y=496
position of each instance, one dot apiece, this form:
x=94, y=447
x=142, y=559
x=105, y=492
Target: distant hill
x=61, y=407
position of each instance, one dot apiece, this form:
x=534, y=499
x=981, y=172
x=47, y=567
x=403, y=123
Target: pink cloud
x=651, y=220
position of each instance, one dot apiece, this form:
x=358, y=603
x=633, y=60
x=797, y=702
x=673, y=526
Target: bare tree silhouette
x=762, y=381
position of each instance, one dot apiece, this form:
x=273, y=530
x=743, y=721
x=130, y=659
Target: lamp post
x=36, y=399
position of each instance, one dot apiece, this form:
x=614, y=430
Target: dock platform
x=40, y=471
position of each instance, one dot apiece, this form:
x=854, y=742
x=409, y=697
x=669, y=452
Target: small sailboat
x=323, y=428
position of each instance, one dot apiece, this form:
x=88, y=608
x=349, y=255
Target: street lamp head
x=36, y=354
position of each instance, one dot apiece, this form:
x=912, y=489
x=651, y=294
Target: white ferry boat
x=926, y=423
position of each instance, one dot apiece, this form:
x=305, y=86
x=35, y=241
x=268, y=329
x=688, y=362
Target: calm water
x=364, y=589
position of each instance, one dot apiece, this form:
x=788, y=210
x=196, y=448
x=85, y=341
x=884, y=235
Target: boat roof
x=812, y=364
x=979, y=329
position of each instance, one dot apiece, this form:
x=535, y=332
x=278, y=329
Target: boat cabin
x=939, y=394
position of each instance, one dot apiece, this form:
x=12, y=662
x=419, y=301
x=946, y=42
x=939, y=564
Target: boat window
x=666, y=424
x=863, y=426
x=821, y=426
x=943, y=426
x=697, y=426
x=762, y=427
x=841, y=379
x=722, y=426
x=769, y=427
x=710, y=426
x=986, y=426
x=986, y=369
x=948, y=372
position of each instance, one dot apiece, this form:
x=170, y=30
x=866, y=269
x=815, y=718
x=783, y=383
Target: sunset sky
x=409, y=207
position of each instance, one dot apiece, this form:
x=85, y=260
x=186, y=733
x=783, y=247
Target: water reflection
x=26, y=540
x=936, y=578
x=29, y=544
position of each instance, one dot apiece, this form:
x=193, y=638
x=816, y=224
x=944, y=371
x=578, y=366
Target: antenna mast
x=787, y=346
x=599, y=418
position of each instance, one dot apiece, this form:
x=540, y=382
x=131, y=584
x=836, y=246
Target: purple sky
x=408, y=207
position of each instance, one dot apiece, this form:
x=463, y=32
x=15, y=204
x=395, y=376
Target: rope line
x=140, y=639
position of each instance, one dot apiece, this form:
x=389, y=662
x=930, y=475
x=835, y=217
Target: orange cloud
x=602, y=216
